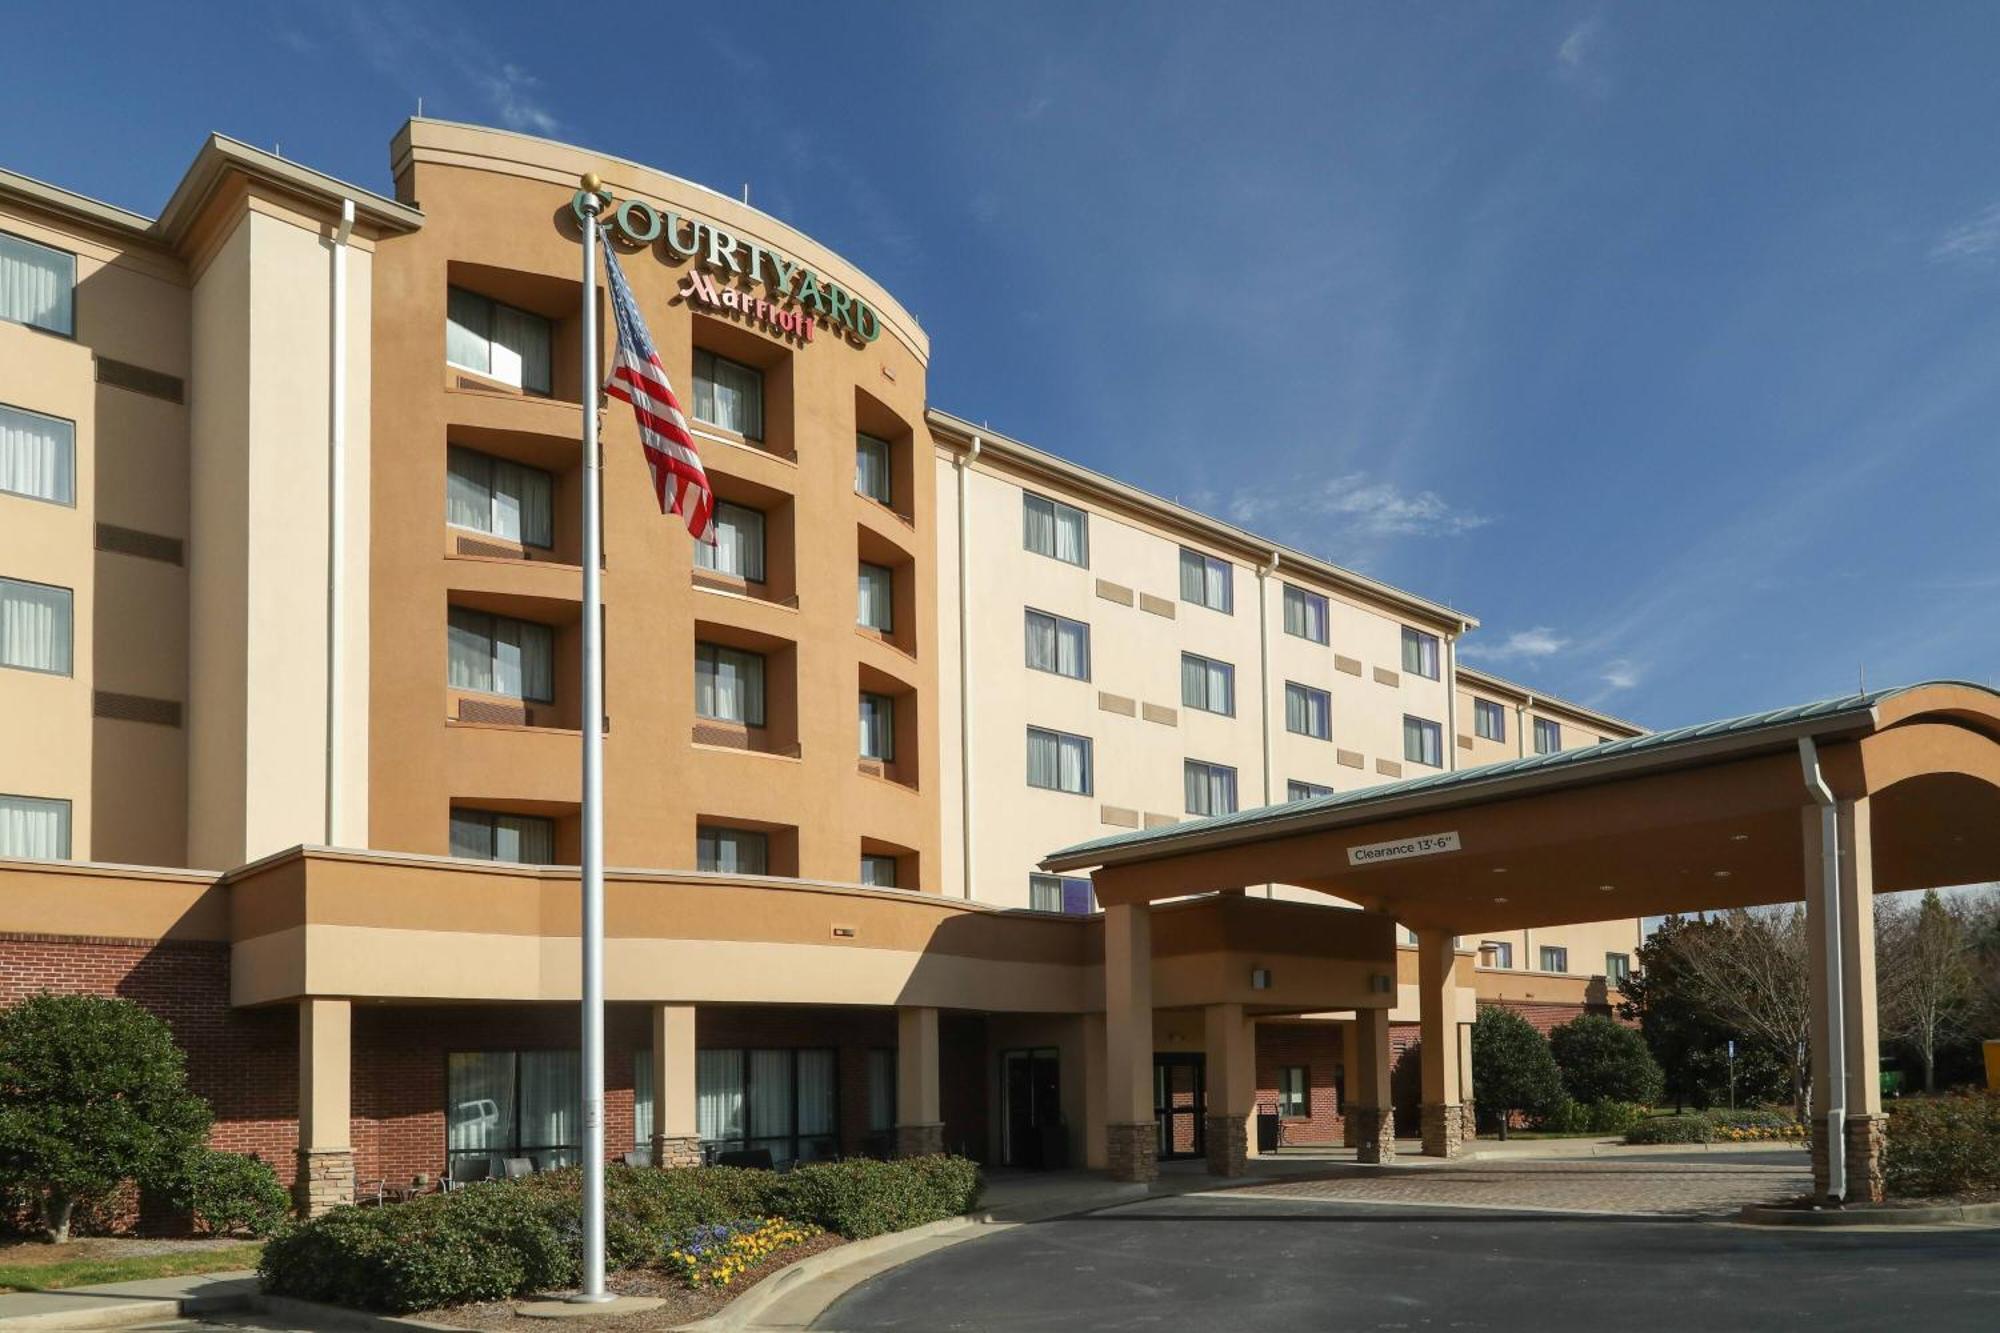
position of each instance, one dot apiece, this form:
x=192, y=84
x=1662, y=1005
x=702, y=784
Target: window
x=739, y=544
x=490, y=835
x=878, y=727
x=34, y=627
x=1420, y=653
x=728, y=394
x=1058, y=645
x=1045, y=893
x=1208, y=685
x=731, y=851
x=1554, y=958
x=871, y=468
x=1496, y=953
x=497, y=341
x=34, y=826
x=504, y=498
x=783, y=1100
x=1489, y=719
x=1069, y=894
x=1617, y=968
x=875, y=609
x=1206, y=581
x=881, y=1090
x=1052, y=528
x=1305, y=614
x=1308, y=712
x=1292, y=1099
x=1211, y=788
x=37, y=285
x=491, y=654
x=1423, y=742
x=877, y=871
x=1059, y=761
x=1548, y=736
x=728, y=684
x=37, y=455
x=501, y=1104
x=1305, y=791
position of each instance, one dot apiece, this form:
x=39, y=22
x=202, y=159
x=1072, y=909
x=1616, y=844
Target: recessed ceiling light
x=1606, y=888
x=1499, y=900
x=1739, y=837
x=1722, y=874
x=1499, y=870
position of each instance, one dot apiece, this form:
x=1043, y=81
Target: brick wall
x=1317, y=1047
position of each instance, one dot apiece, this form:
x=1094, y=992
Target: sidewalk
x=118, y=1304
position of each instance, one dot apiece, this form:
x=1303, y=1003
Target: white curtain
x=1193, y=585
x=1045, y=893
x=1305, y=614
x=1208, y=684
x=1306, y=711
x=1420, y=653
x=1061, y=646
x=36, y=284
x=520, y=348
x=33, y=827
x=739, y=544
x=496, y=495
x=523, y=659
x=1058, y=761
x=472, y=835
x=1422, y=742
x=35, y=627
x=881, y=1090
x=1211, y=788
x=877, y=585
x=871, y=467
x=771, y=1099
x=1042, y=641
x=878, y=727
x=469, y=651
x=529, y=839
x=732, y=851
x=37, y=455
x=479, y=1100
x=468, y=330
x=718, y=1095
x=642, y=1098
x=1038, y=524
x=551, y=1102
x=729, y=395
x=728, y=685
x=1072, y=537
x=817, y=1102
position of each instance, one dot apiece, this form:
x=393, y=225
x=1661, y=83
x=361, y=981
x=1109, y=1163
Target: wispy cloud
x=1577, y=45
x=512, y=91
x=1577, y=57
x=1974, y=241
x=402, y=43
x=1521, y=645
x=1348, y=507
x=1620, y=675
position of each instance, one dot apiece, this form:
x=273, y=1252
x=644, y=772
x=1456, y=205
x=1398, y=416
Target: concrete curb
x=121, y=1304
x=1866, y=1215
x=1609, y=1147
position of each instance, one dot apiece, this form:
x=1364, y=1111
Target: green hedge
x=1672, y=1129
x=506, y=1238
x=1598, y=1117
x=230, y=1192
x=1943, y=1145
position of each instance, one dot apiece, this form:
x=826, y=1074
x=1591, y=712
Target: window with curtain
x=35, y=627
x=1208, y=582
x=37, y=456
x=1211, y=788
x=877, y=597
x=1420, y=653
x=786, y=1101
x=729, y=394
x=34, y=826
x=1305, y=614
x=37, y=285
x=1058, y=761
x=501, y=1104
x=881, y=1089
x=728, y=684
x=1496, y=953
x=1208, y=685
x=878, y=727
x=494, y=835
x=498, y=341
x=739, y=544
x=1554, y=958
x=731, y=851
x=1617, y=968
x=1423, y=742
x=871, y=468
x=1305, y=791
x=1054, y=529
x=1058, y=645
x=1548, y=736
x=1045, y=893
x=499, y=496
x=642, y=1097
x=878, y=871
x=1489, y=720
x=1292, y=1101
x=491, y=654
x=1308, y=712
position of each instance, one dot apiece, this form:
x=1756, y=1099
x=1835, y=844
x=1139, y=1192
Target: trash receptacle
x=1267, y=1129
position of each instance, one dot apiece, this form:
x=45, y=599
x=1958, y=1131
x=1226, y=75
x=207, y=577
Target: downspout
x=1264, y=573
x=965, y=462
x=1451, y=700
x=1521, y=726
x=1836, y=1017
x=336, y=520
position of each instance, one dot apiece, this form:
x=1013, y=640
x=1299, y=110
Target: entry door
x=1031, y=1089
x=1180, y=1104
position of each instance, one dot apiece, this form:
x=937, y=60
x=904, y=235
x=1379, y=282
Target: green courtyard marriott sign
x=794, y=297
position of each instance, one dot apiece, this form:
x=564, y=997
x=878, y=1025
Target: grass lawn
x=56, y=1273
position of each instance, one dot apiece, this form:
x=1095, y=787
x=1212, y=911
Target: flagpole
x=591, y=1289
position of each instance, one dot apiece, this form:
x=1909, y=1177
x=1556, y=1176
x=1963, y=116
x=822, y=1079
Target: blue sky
x=1664, y=339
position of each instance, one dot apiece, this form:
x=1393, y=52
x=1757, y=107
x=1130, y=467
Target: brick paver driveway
x=1665, y=1185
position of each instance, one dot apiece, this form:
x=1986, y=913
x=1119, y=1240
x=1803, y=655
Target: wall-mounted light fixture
x=1260, y=978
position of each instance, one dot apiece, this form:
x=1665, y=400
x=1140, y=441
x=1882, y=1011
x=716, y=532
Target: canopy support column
x=1374, y=1108
x=1231, y=1068
x=1437, y=1012
x=1131, y=1134
x=1862, y=1128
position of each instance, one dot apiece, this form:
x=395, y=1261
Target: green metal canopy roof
x=1832, y=712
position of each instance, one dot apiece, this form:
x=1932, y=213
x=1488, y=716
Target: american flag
x=639, y=378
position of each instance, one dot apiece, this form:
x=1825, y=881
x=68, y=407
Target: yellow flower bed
x=1759, y=1134
x=715, y=1256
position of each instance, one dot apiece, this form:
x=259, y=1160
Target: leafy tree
x=1926, y=981
x=1686, y=1041
x=1602, y=1060
x=93, y=1092
x=1512, y=1069
x=1744, y=971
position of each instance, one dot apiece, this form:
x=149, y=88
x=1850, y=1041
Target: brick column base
x=1132, y=1151
x=1867, y=1140
x=1822, y=1174
x=1228, y=1143
x=1444, y=1130
x=677, y=1150
x=1349, y=1135
x=1374, y=1133
x=924, y=1140
x=1468, y=1122
x=325, y=1180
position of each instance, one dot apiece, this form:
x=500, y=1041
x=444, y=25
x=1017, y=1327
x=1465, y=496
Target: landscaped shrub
x=715, y=1254
x=1602, y=1060
x=860, y=1197
x=1944, y=1145
x=642, y=1205
x=1672, y=1129
x=1755, y=1125
x=230, y=1192
x=1511, y=1068
x=1600, y=1117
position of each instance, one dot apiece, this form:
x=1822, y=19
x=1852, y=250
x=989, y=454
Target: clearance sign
x=793, y=298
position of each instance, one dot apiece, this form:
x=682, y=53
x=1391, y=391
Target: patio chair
x=514, y=1168
x=639, y=1157
x=465, y=1171
x=756, y=1158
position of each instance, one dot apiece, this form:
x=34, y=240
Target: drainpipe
x=1836, y=1017
x=1451, y=701
x=1521, y=726
x=1264, y=573
x=965, y=462
x=336, y=519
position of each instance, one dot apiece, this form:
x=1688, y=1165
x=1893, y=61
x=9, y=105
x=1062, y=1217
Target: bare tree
x=1926, y=972
x=1747, y=970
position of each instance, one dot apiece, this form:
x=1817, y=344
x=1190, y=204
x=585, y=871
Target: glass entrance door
x=1032, y=1133
x=1180, y=1104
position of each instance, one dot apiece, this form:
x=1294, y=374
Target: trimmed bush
x=1511, y=1068
x=860, y=1197
x=1602, y=1060
x=232, y=1192
x=1672, y=1129
x=1601, y=1117
x=643, y=1205
x=1944, y=1145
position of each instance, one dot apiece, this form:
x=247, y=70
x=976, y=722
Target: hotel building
x=289, y=620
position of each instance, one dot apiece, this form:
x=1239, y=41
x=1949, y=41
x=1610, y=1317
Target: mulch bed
x=683, y=1305
x=15, y=1250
